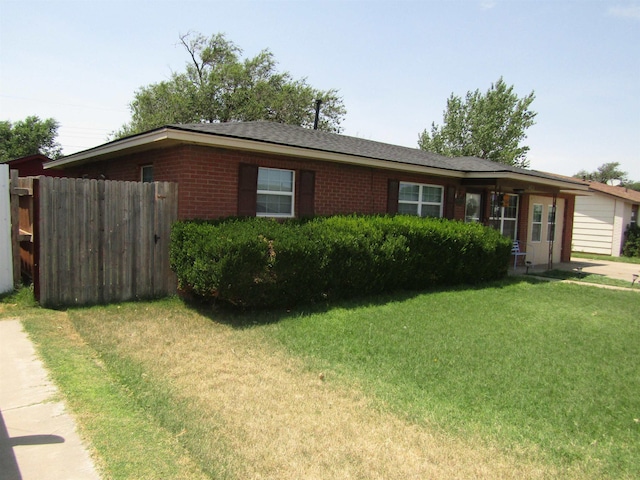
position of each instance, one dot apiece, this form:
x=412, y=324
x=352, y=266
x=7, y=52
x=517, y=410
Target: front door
x=544, y=227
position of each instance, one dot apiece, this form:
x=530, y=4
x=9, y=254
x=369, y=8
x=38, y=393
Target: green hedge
x=263, y=263
x=632, y=243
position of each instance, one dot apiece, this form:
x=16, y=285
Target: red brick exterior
x=567, y=232
x=208, y=180
x=208, y=184
x=523, y=218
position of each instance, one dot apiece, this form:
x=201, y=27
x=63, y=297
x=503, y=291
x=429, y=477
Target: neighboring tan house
x=282, y=171
x=602, y=218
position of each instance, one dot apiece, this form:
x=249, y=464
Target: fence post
x=15, y=227
x=36, y=238
x=6, y=236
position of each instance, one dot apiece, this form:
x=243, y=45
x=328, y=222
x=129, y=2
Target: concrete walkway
x=38, y=438
x=618, y=270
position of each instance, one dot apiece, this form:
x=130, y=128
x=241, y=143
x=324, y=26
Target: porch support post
x=553, y=232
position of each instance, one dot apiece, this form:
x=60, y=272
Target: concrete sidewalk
x=618, y=270
x=38, y=438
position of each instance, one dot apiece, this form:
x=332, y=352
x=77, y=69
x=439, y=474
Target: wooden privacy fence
x=100, y=241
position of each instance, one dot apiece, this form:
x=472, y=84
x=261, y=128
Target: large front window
x=275, y=193
x=421, y=200
x=504, y=214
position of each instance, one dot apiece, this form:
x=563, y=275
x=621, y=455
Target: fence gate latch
x=156, y=237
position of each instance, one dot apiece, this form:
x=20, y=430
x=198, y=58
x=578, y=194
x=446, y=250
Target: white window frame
x=534, y=222
x=278, y=193
x=419, y=202
x=498, y=222
x=143, y=168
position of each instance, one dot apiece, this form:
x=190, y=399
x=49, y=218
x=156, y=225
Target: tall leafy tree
x=605, y=173
x=633, y=186
x=217, y=85
x=29, y=137
x=488, y=125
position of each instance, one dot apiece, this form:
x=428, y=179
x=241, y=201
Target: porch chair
x=516, y=252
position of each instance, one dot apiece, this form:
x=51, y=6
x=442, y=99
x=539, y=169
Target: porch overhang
x=519, y=183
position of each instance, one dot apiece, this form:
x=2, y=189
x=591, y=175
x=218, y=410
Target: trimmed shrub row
x=632, y=243
x=263, y=263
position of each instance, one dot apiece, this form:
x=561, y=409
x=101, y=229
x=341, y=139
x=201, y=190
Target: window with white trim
x=275, y=192
x=536, y=223
x=551, y=224
x=421, y=200
x=504, y=214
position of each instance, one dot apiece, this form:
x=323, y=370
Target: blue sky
x=394, y=62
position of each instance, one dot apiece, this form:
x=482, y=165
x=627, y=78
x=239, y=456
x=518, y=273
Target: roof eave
x=166, y=136
x=613, y=195
x=171, y=136
x=562, y=186
x=112, y=148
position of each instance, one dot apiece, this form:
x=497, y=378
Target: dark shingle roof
x=288, y=135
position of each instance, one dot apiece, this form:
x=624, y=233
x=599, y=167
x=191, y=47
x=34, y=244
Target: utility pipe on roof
x=315, y=122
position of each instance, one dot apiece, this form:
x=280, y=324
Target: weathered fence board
x=100, y=241
x=22, y=202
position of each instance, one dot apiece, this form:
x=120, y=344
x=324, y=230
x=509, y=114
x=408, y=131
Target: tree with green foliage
x=218, y=86
x=631, y=185
x=605, y=173
x=30, y=136
x=490, y=125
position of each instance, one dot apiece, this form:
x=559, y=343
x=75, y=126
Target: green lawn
x=542, y=366
x=539, y=371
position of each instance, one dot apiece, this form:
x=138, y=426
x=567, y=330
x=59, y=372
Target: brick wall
x=208, y=179
x=523, y=219
x=567, y=232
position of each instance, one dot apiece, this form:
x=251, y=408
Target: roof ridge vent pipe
x=315, y=122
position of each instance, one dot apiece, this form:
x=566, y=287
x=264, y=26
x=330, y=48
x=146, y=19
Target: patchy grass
x=520, y=379
x=608, y=258
x=126, y=441
x=585, y=277
x=279, y=418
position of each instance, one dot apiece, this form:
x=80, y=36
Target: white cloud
x=630, y=11
x=487, y=4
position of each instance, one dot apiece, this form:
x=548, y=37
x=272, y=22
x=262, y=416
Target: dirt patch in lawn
x=283, y=421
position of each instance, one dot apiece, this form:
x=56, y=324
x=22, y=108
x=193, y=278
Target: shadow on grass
x=242, y=318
